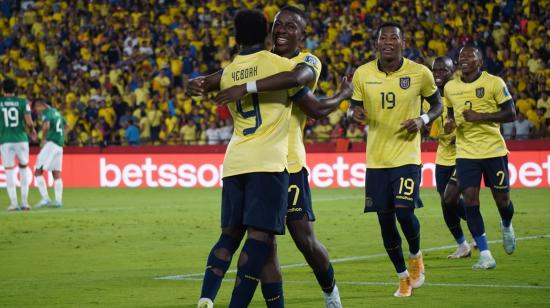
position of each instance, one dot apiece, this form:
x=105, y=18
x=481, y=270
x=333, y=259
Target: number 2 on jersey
x=251, y=113
x=11, y=117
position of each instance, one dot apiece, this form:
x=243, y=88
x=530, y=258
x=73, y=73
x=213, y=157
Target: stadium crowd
x=118, y=70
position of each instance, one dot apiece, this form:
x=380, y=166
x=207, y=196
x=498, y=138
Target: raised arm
x=301, y=75
x=201, y=85
x=319, y=108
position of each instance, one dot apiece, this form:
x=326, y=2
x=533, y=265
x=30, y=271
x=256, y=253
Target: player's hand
x=230, y=95
x=346, y=88
x=358, y=114
x=34, y=135
x=413, y=125
x=196, y=86
x=471, y=116
x=450, y=125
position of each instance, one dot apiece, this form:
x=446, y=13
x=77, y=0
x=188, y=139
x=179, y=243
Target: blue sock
x=273, y=294
x=392, y=240
x=410, y=226
x=211, y=282
x=476, y=226
x=506, y=214
x=452, y=220
x=248, y=274
x=326, y=279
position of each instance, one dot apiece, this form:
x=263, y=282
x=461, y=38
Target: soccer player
x=445, y=174
x=388, y=91
x=51, y=155
x=477, y=103
x=288, y=32
x=15, y=117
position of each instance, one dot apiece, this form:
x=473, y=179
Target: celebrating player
x=445, y=174
x=51, y=155
x=288, y=32
x=388, y=91
x=477, y=104
x=15, y=117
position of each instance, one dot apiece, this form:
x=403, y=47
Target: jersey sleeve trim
x=507, y=104
x=356, y=103
x=304, y=64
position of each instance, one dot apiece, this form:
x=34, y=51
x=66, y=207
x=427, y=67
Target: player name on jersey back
x=246, y=73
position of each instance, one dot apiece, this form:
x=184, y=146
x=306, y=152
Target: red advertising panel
x=527, y=169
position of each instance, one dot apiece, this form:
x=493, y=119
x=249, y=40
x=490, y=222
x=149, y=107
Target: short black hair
x=475, y=48
x=250, y=27
x=295, y=10
x=37, y=101
x=391, y=24
x=9, y=85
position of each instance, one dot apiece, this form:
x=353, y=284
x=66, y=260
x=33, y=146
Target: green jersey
x=12, y=119
x=56, y=132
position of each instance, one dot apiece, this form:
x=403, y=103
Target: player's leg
x=8, y=161
x=496, y=177
x=55, y=165
x=22, y=154
x=264, y=215
x=469, y=173
x=272, y=279
x=300, y=218
x=219, y=258
x=450, y=205
x=58, y=188
x=405, y=189
x=41, y=162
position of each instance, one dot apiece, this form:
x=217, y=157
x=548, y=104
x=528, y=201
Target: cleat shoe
x=463, y=251
x=42, y=204
x=13, y=208
x=405, y=288
x=508, y=239
x=332, y=300
x=57, y=205
x=25, y=207
x=416, y=266
x=485, y=262
x=205, y=303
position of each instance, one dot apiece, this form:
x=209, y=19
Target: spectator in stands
x=507, y=130
x=213, y=134
x=226, y=131
x=522, y=127
x=353, y=133
x=544, y=102
x=132, y=132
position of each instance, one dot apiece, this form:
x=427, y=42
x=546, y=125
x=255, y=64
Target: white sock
x=404, y=274
x=24, y=186
x=58, y=186
x=41, y=184
x=10, y=186
x=486, y=253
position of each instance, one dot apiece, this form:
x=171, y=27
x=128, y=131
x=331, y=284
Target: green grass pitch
x=106, y=247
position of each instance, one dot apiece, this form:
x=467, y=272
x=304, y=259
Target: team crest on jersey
x=405, y=82
x=480, y=92
x=311, y=60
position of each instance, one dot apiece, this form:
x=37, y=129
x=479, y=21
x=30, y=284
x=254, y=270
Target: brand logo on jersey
x=505, y=91
x=480, y=92
x=405, y=82
x=311, y=60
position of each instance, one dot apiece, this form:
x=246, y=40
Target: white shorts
x=10, y=151
x=50, y=157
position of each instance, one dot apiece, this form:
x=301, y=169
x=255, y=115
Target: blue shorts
x=299, y=197
x=494, y=171
x=257, y=200
x=444, y=175
x=387, y=187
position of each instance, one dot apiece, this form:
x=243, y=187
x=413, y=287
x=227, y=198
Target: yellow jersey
x=446, y=147
x=261, y=120
x=296, y=149
x=477, y=140
x=388, y=100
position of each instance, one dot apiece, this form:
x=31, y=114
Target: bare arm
x=201, y=85
x=450, y=123
x=319, y=108
x=507, y=113
x=299, y=76
x=30, y=126
x=45, y=128
x=436, y=108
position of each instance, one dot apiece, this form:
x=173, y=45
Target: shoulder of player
x=415, y=67
x=365, y=68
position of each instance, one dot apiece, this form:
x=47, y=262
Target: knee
x=450, y=198
x=306, y=244
x=502, y=200
x=403, y=214
x=470, y=198
x=56, y=175
x=38, y=172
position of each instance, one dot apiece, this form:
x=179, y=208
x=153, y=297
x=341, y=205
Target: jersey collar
x=400, y=66
x=250, y=51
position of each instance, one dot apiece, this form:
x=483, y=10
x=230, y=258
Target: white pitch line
x=429, y=284
x=349, y=259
